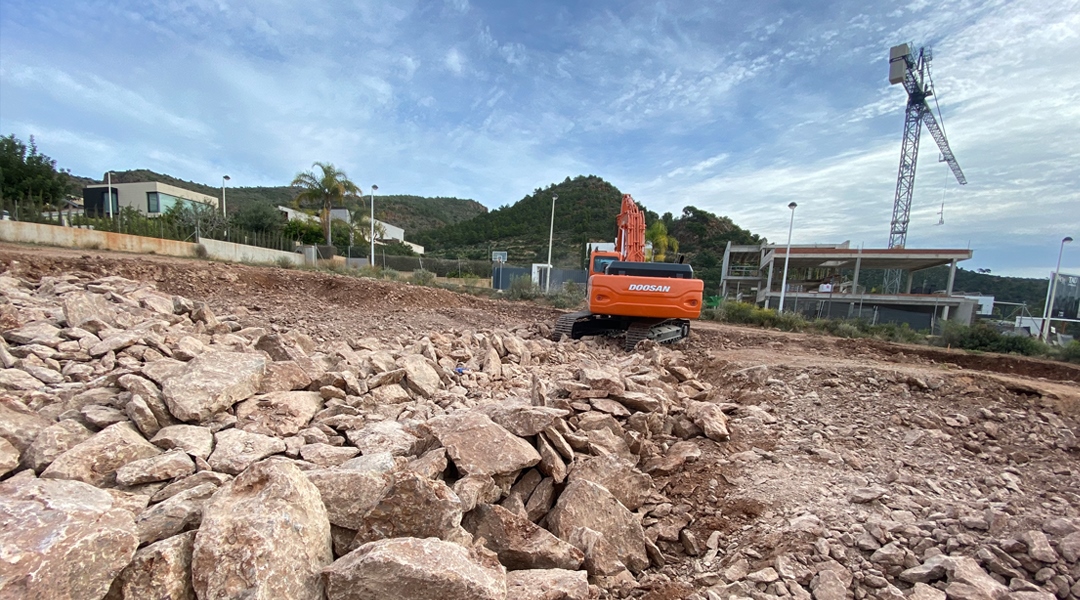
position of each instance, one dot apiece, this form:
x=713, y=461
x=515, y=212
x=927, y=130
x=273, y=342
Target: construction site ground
x=959, y=432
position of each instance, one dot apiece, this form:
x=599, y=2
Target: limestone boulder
x=420, y=376
x=602, y=380
x=710, y=418
x=53, y=441
x=173, y=515
x=284, y=376
x=384, y=436
x=162, y=467
x=264, y=535
x=96, y=460
x=18, y=380
x=547, y=584
x=478, y=445
x=18, y=424
x=349, y=494
x=629, y=485
x=236, y=450
x=160, y=570
x=9, y=457
x=518, y=542
x=522, y=419
x=278, y=413
x=212, y=382
x=193, y=439
x=414, y=506
x=80, y=307
x=325, y=455
x=414, y=569
x=61, y=540
x=601, y=556
x=35, y=332
x=586, y=504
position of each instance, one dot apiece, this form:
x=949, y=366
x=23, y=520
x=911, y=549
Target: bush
x=572, y=295
x=522, y=288
x=200, y=250
x=1071, y=353
x=984, y=338
x=284, y=263
x=422, y=277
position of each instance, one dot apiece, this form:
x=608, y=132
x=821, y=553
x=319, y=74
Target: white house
x=390, y=232
x=148, y=197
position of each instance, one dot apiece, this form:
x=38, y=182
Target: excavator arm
x=630, y=243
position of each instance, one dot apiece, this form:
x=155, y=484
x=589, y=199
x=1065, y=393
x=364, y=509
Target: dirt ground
x=942, y=430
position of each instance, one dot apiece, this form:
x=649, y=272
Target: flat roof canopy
x=906, y=259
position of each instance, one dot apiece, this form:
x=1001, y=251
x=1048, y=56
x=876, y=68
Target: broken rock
x=414, y=569
x=478, y=445
x=586, y=504
x=212, y=382
x=61, y=539
x=236, y=450
x=264, y=535
x=96, y=460
x=519, y=543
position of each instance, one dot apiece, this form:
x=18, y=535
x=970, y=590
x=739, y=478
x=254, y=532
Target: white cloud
x=454, y=61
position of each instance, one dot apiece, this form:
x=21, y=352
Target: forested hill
x=585, y=211
x=415, y=214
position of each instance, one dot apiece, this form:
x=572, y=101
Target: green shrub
x=984, y=338
x=1071, y=352
x=422, y=277
x=284, y=263
x=200, y=251
x=522, y=288
x=572, y=295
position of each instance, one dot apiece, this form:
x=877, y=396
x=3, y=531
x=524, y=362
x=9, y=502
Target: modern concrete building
x=824, y=281
x=148, y=197
x=390, y=232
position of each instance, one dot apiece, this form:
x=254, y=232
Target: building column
x=949, y=289
x=909, y=278
x=724, y=270
x=855, y=283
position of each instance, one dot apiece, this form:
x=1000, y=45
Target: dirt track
x=942, y=428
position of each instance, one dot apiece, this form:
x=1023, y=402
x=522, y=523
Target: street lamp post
x=108, y=193
x=1048, y=310
x=551, y=238
x=787, y=256
x=374, y=188
x=224, y=210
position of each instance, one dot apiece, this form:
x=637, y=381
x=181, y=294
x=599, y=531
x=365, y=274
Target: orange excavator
x=645, y=300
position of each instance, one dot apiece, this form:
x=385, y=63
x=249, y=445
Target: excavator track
x=579, y=324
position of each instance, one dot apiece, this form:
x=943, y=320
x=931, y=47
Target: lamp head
x=792, y=206
x=554, y=196
x=1066, y=240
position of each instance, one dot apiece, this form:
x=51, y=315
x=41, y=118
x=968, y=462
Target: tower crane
x=913, y=71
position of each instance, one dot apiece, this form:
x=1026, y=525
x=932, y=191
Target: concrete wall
x=229, y=251
x=71, y=237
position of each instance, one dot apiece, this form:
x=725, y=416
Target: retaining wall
x=73, y=237
x=219, y=250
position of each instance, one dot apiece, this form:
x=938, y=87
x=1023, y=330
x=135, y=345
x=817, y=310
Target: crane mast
x=913, y=71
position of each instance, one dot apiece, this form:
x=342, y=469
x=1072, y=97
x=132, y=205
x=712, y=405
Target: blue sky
x=734, y=107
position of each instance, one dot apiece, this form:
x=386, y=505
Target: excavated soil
x=983, y=434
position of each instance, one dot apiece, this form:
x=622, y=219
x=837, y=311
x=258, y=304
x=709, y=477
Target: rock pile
x=150, y=448
x=165, y=451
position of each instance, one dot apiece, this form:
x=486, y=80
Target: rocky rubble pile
x=150, y=448
x=153, y=449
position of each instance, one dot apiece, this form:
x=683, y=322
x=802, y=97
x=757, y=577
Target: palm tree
x=657, y=233
x=324, y=191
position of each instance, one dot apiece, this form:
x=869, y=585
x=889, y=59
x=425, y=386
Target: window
x=153, y=203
